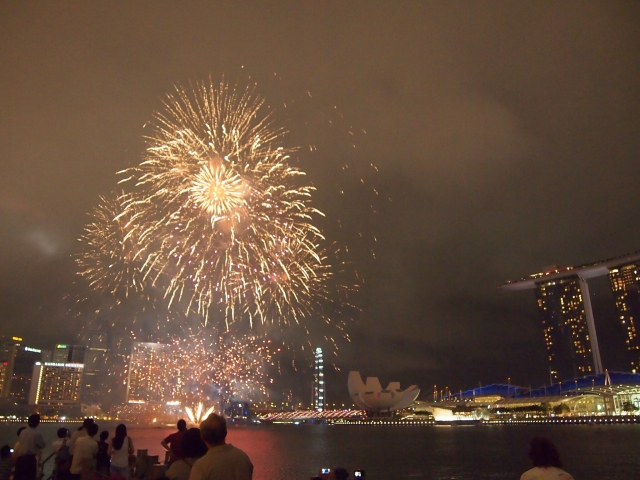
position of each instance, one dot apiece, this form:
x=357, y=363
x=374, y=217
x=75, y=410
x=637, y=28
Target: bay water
x=386, y=452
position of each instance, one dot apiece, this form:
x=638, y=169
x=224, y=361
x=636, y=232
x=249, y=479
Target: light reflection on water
x=291, y=452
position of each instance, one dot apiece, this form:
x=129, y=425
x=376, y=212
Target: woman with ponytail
x=120, y=448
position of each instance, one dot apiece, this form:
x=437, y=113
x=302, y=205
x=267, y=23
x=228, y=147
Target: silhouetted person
x=85, y=451
x=340, y=473
x=173, y=443
x=30, y=445
x=63, y=455
x=546, y=461
x=5, y=462
x=223, y=461
x=193, y=448
x=62, y=439
x=17, y=444
x=81, y=432
x=102, y=458
x=119, y=450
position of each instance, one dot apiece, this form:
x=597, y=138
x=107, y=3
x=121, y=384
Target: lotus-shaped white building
x=372, y=397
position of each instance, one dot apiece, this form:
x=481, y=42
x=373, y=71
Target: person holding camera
x=338, y=473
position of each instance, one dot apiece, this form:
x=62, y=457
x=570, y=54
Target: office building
x=94, y=378
x=625, y=285
x=19, y=372
x=7, y=353
x=56, y=384
x=150, y=379
x=69, y=354
x=3, y=371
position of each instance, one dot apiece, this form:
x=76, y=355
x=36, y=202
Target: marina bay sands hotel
x=567, y=317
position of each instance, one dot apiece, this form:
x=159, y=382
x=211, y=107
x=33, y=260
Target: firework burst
x=218, y=213
x=197, y=414
x=108, y=260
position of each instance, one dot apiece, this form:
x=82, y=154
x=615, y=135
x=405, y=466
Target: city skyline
x=451, y=147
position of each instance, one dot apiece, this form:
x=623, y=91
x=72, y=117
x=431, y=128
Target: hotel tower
x=567, y=319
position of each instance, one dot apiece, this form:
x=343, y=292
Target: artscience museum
x=378, y=401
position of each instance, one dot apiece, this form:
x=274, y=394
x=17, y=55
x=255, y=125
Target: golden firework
x=220, y=212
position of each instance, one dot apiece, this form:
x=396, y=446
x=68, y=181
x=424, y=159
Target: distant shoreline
x=581, y=420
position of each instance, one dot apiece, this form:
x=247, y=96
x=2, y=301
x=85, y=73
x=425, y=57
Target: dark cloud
x=505, y=133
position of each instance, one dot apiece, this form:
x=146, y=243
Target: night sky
x=506, y=137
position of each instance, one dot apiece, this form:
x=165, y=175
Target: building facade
x=149, y=378
x=8, y=346
x=95, y=376
x=18, y=370
x=625, y=285
x=69, y=353
x=567, y=315
x=56, y=384
x=565, y=329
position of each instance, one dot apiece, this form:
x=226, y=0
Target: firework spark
x=218, y=214
x=198, y=414
x=108, y=260
x=223, y=368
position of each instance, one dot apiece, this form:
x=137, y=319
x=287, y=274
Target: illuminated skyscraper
x=565, y=329
x=149, y=380
x=56, y=384
x=567, y=317
x=19, y=371
x=318, y=381
x=3, y=373
x=625, y=285
x=8, y=346
x=94, y=378
x=69, y=353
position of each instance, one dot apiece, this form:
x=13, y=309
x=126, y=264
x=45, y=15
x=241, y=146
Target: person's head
x=121, y=431
x=543, y=453
x=5, y=452
x=92, y=429
x=182, y=425
x=341, y=473
x=34, y=420
x=192, y=444
x=104, y=435
x=20, y=430
x=121, y=434
x=63, y=433
x=214, y=429
x=87, y=421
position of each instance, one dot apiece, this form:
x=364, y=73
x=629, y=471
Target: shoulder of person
x=525, y=475
x=198, y=462
x=171, y=469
